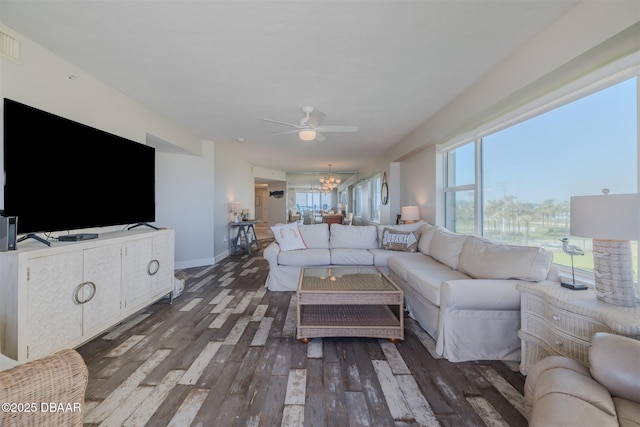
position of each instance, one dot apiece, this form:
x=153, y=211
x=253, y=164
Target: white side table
x=559, y=321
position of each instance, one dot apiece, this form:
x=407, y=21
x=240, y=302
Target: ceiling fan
x=310, y=127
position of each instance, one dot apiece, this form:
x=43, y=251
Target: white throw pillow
x=288, y=237
x=446, y=247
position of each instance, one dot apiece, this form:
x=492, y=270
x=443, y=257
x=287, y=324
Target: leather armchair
x=562, y=392
x=53, y=388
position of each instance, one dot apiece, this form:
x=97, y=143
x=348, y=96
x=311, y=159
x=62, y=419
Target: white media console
x=64, y=295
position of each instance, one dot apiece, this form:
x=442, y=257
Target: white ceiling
x=218, y=67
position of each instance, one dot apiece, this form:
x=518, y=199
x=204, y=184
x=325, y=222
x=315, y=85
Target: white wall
x=41, y=80
x=234, y=182
x=274, y=210
x=184, y=202
x=419, y=183
x=262, y=193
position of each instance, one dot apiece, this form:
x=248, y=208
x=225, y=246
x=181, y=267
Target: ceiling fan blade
x=289, y=132
x=282, y=123
x=337, y=129
x=316, y=118
x=320, y=137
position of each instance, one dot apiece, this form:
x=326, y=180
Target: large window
x=376, y=200
x=461, y=190
x=357, y=199
x=515, y=185
x=313, y=201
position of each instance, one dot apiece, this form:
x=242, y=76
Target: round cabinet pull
x=556, y=317
x=558, y=343
x=76, y=292
x=153, y=267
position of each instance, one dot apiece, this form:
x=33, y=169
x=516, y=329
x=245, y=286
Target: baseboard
x=195, y=263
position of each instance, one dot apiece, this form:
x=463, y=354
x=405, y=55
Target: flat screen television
x=64, y=175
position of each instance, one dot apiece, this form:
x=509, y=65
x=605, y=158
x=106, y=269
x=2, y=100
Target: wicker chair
x=46, y=392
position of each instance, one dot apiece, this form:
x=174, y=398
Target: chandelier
x=329, y=182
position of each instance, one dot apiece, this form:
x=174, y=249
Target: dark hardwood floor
x=224, y=353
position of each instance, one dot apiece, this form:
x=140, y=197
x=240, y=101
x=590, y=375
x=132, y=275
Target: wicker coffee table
x=348, y=302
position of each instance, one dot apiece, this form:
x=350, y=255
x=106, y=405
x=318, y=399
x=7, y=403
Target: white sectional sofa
x=460, y=288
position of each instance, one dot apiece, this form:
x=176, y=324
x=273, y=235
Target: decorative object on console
x=237, y=210
x=410, y=214
x=329, y=182
x=611, y=220
x=572, y=250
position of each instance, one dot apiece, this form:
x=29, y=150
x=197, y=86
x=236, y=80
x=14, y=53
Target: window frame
x=602, y=79
x=375, y=184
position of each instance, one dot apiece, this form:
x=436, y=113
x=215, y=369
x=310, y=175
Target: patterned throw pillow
x=288, y=237
x=394, y=240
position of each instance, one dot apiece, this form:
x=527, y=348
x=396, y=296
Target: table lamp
x=410, y=214
x=611, y=221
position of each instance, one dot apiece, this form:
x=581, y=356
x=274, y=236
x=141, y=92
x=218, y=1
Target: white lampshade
x=410, y=213
x=606, y=217
x=307, y=134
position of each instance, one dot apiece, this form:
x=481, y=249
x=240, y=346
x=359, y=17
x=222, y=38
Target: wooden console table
x=559, y=321
x=332, y=219
x=245, y=235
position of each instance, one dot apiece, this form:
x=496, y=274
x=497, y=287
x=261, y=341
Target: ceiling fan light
x=307, y=134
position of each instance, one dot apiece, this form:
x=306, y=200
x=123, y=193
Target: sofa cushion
x=288, y=237
x=304, y=257
x=427, y=282
x=403, y=262
x=353, y=237
x=446, y=247
x=404, y=241
x=343, y=256
x=400, y=227
x=381, y=256
x=426, y=235
x=483, y=259
x=315, y=236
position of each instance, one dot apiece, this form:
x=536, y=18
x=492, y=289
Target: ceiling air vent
x=9, y=46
